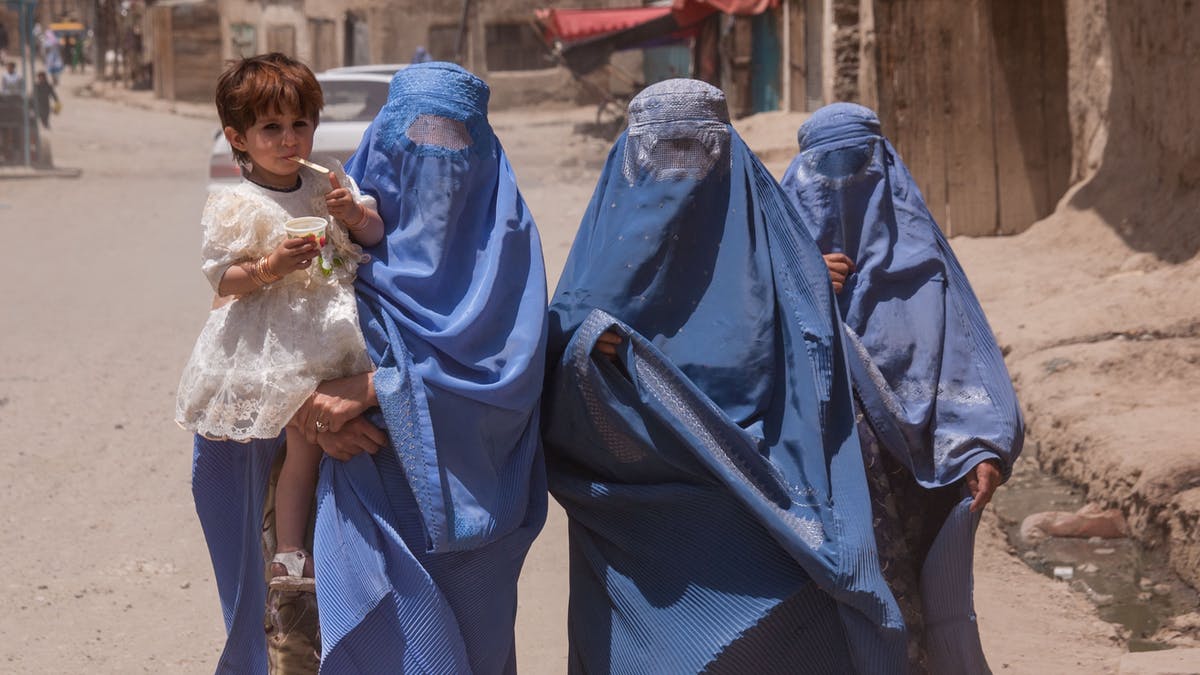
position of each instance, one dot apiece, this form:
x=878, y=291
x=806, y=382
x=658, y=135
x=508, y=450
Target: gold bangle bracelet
x=260, y=272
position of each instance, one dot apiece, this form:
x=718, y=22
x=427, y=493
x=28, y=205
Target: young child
x=291, y=322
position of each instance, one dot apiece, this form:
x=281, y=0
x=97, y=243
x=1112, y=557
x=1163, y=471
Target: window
x=515, y=46
x=322, y=35
x=282, y=38
x=243, y=39
x=352, y=100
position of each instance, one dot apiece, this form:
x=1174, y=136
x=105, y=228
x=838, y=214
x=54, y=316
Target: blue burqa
x=719, y=515
x=927, y=372
x=418, y=548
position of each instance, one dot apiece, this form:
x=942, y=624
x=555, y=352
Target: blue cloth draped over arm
x=713, y=479
x=926, y=366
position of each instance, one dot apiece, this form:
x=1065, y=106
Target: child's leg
x=293, y=496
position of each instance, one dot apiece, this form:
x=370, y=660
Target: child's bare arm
x=247, y=277
x=364, y=224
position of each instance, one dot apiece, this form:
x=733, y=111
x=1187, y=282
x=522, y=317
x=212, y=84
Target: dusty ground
x=105, y=568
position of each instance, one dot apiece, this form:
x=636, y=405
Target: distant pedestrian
x=53, y=55
x=11, y=83
x=43, y=93
x=71, y=52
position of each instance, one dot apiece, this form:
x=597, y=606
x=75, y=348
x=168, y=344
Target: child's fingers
x=334, y=182
x=299, y=246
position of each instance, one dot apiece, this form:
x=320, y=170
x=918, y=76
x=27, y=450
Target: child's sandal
x=294, y=580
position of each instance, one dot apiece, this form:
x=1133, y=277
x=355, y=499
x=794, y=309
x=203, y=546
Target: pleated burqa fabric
x=452, y=305
x=418, y=548
x=719, y=514
x=229, y=485
x=928, y=375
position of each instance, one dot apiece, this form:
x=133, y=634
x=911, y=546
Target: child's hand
x=341, y=204
x=293, y=254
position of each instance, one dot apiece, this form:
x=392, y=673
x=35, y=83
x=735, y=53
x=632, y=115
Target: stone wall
x=846, y=32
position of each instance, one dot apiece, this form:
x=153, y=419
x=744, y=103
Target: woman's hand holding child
x=334, y=403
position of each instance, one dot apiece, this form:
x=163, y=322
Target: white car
x=351, y=101
x=388, y=69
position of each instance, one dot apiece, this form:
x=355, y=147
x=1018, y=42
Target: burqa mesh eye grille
x=838, y=167
x=440, y=131
x=683, y=157
x=678, y=129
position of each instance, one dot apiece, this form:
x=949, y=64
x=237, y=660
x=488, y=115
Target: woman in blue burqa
x=940, y=425
x=698, y=422
x=417, y=545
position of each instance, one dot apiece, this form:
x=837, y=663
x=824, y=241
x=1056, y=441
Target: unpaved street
x=105, y=568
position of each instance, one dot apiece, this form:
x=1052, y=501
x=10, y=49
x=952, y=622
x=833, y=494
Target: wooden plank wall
x=797, y=62
x=164, y=56
x=973, y=95
x=737, y=43
x=196, y=51
x=1033, y=146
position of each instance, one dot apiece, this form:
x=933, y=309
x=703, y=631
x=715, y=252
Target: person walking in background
x=940, y=424
x=699, y=427
x=11, y=83
x=77, y=53
x=45, y=99
x=53, y=55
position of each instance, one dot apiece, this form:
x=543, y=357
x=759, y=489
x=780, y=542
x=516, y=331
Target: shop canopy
x=679, y=19
x=67, y=27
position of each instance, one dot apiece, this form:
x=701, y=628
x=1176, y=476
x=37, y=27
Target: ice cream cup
x=308, y=226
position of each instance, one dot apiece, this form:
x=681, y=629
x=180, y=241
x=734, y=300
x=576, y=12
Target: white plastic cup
x=308, y=226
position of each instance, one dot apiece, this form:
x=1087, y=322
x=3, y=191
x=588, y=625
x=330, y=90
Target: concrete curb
x=145, y=100
x=23, y=172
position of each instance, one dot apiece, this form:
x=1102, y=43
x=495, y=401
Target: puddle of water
x=1129, y=585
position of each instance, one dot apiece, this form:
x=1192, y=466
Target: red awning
x=573, y=25
x=740, y=7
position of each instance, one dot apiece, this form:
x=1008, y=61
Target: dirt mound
x=1136, y=94
x=1104, y=346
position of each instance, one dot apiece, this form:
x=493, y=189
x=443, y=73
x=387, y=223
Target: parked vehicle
x=351, y=101
x=388, y=69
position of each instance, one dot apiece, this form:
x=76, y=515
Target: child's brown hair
x=263, y=84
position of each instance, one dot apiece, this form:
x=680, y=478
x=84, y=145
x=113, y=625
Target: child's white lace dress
x=260, y=356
